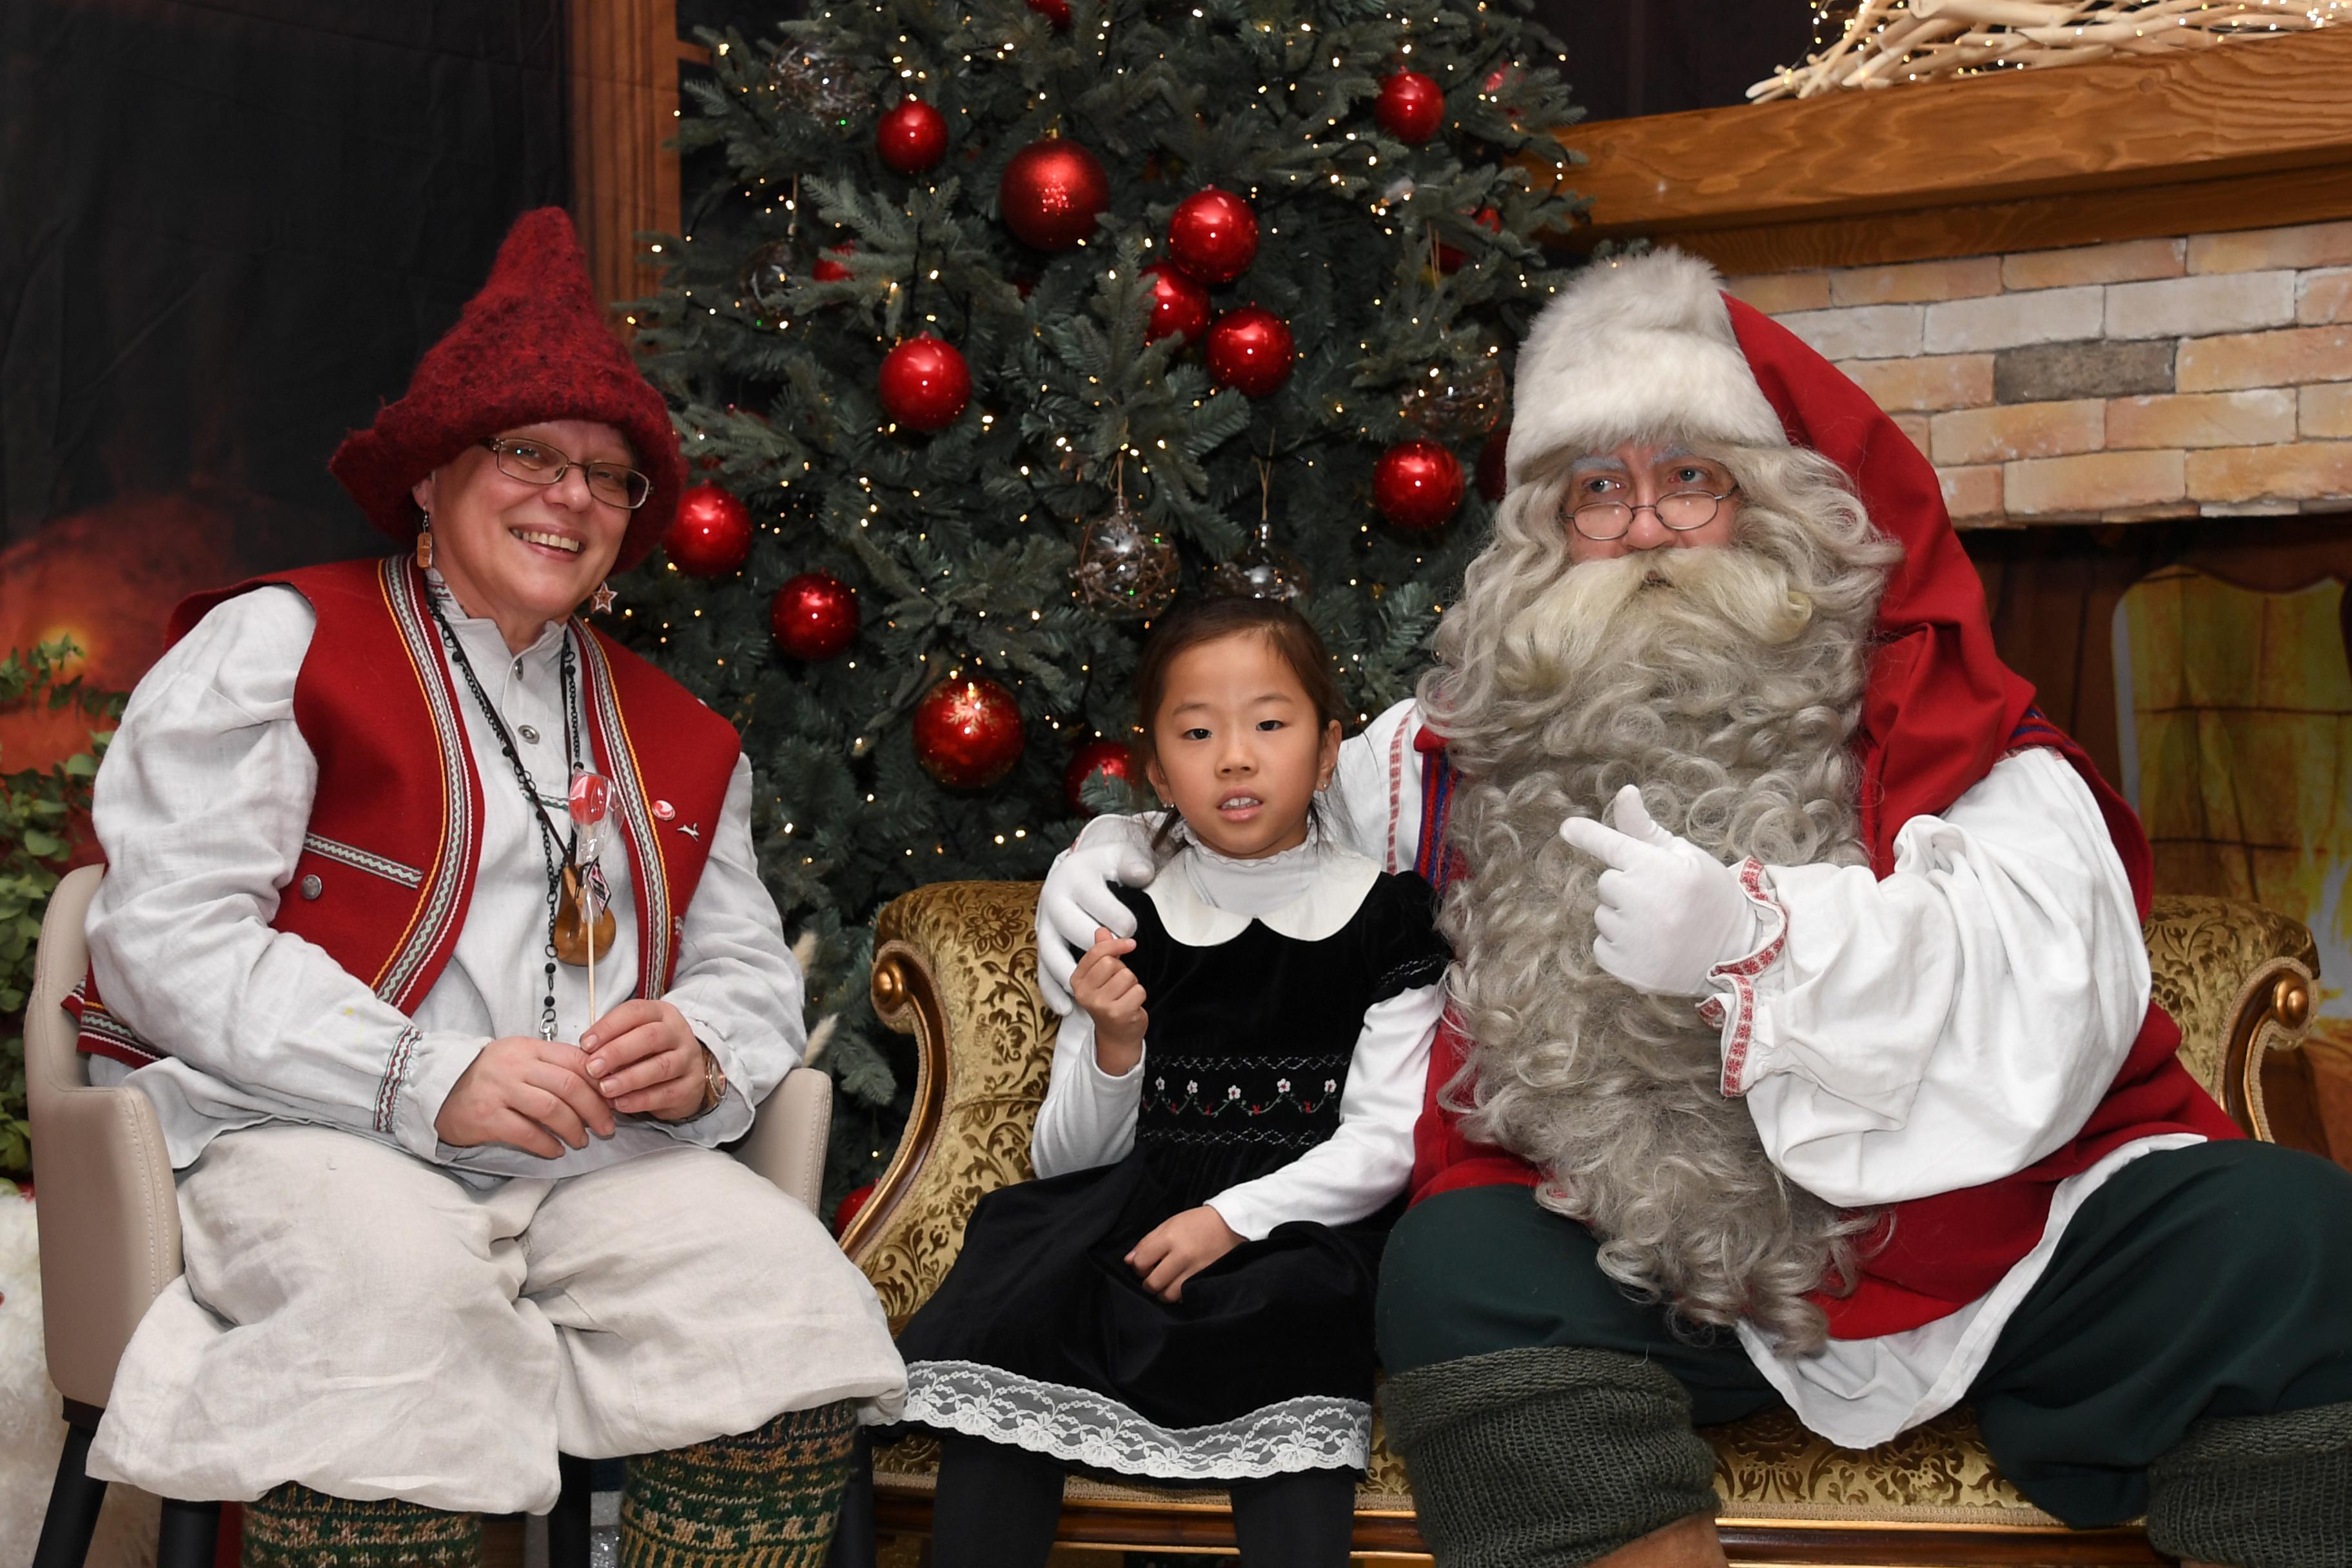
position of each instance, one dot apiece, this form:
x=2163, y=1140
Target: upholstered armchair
x=109, y=1234
x=955, y=966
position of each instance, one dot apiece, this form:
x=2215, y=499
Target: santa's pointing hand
x=1670, y=912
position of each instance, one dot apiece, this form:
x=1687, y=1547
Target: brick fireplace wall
x=2206, y=375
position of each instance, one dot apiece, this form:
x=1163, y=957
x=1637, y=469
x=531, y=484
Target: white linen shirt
x=1942, y=1026
x=201, y=807
x=1088, y=1116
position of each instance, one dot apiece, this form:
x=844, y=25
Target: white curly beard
x=1725, y=683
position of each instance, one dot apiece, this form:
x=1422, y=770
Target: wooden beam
x=2036, y=223
x=2252, y=106
x=624, y=69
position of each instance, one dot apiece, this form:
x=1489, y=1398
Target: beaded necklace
x=555, y=858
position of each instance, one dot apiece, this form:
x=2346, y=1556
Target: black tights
x=997, y=1505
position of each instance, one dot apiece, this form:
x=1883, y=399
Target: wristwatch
x=714, y=1082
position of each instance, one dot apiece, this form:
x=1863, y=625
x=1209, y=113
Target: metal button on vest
x=529, y=736
x=313, y=887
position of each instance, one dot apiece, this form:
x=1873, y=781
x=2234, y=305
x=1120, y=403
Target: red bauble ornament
x=911, y=137
x=711, y=534
x=1450, y=259
x=847, y=1210
x=1054, y=11
x=1051, y=193
x=1494, y=474
x=924, y=383
x=828, y=267
x=1212, y=234
x=1250, y=349
x=1417, y=484
x=814, y=617
x=1110, y=757
x=1410, y=107
x=967, y=732
x=1177, y=304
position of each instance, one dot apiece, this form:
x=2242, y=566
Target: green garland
x=37, y=807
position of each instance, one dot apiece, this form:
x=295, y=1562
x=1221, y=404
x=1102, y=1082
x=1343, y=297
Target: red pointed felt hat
x=531, y=346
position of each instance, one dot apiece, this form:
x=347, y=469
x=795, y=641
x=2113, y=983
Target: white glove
x=1078, y=898
x=1669, y=911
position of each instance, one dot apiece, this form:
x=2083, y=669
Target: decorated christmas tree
x=1002, y=326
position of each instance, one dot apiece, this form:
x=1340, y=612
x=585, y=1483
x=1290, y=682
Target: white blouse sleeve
x=201, y=807
x=1375, y=795
x=1088, y=1116
x=1368, y=1160
x=1959, y=1019
x=737, y=986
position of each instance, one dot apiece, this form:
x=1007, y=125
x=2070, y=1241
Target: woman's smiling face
x=522, y=553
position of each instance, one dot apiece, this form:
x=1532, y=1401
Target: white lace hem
x=1079, y=1427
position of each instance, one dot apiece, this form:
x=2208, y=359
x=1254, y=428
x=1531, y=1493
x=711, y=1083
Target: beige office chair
x=109, y=1230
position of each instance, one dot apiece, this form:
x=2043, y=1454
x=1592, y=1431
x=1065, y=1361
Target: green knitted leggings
x=2196, y=1286
x=767, y=1499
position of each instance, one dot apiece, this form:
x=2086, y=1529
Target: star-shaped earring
x=601, y=599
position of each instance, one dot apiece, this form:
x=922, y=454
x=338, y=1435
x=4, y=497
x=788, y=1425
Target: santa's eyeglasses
x=1604, y=521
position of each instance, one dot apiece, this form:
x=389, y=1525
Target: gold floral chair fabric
x=955, y=966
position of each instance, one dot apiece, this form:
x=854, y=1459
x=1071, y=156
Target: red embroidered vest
x=395, y=835
x=1936, y=1254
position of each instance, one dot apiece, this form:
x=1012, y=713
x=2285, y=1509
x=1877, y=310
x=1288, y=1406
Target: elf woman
x=441, y=1220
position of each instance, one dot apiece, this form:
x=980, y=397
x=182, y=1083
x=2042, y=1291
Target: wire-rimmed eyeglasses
x=537, y=463
x=1682, y=512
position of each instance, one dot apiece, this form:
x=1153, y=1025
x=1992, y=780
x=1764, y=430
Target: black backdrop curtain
x=228, y=230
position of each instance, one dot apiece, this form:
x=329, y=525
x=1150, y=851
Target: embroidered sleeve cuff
x=753, y=1067
x=420, y=1070
x=723, y=1123
x=732, y=1116
x=1732, y=1008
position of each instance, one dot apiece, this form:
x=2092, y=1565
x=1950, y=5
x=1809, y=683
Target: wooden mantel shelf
x=2252, y=133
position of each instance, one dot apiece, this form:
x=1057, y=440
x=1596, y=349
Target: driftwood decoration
x=1891, y=41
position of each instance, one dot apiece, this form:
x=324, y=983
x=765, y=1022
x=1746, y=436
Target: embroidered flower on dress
x=1329, y=1084
x=1232, y=1091
x=1192, y=1086
x=1282, y=1086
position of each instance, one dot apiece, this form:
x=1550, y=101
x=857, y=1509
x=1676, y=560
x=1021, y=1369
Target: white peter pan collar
x=1333, y=894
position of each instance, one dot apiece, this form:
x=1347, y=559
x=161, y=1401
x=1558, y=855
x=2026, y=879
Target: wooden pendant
x=571, y=929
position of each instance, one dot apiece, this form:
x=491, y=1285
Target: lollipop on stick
x=591, y=806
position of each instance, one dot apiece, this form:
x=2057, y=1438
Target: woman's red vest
x=395, y=835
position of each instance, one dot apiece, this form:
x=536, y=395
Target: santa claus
x=1801, y=1048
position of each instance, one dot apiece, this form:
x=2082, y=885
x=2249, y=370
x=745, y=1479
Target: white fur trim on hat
x=1641, y=346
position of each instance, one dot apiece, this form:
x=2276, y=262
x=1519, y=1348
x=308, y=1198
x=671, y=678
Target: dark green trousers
x=2203, y=1282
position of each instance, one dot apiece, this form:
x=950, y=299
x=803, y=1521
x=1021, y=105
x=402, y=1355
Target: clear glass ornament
x=1262, y=572
x=768, y=276
x=814, y=82
x=1456, y=403
x=1125, y=570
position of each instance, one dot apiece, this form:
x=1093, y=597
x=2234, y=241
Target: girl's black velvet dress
x=1042, y=1336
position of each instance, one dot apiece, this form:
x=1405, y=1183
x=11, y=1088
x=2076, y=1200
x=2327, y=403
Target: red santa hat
x=1650, y=347
x=533, y=345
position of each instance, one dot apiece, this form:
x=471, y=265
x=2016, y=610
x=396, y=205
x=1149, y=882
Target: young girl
x=1185, y=1292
